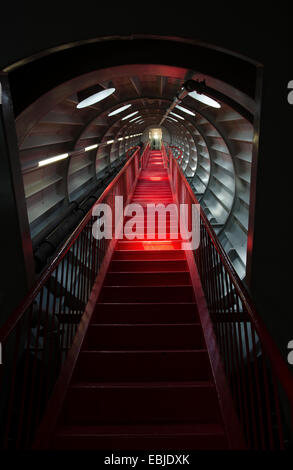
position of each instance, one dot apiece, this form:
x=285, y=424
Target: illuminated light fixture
x=177, y=115
x=138, y=117
x=204, y=99
x=110, y=141
x=120, y=138
x=127, y=137
x=91, y=147
x=169, y=117
x=129, y=115
x=53, y=159
x=185, y=110
x=101, y=95
x=119, y=110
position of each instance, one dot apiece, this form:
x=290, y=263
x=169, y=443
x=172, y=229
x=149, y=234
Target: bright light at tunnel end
x=101, y=95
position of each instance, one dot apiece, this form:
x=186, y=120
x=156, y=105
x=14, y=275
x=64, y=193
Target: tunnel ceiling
x=216, y=143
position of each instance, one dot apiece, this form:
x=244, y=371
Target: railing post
x=61, y=297
x=260, y=381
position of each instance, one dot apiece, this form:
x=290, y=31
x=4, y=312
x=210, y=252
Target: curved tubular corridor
x=137, y=343
x=216, y=144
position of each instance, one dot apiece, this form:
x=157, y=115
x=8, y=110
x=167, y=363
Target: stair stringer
x=47, y=428
x=230, y=420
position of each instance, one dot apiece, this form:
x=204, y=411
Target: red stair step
x=145, y=313
x=148, y=254
x=147, y=278
x=142, y=402
x=143, y=378
x=138, y=245
x=161, y=265
x=147, y=294
x=142, y=437
x=162, y=236
x=122, y=366
x=144, y=336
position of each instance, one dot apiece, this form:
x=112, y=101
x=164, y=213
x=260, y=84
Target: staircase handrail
x=11, y=322
x=277, y=361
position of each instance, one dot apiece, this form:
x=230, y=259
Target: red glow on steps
x=143, y=379
x=156, y=178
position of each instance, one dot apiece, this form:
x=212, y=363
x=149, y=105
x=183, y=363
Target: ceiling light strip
x=204, y=99
x=177, y=115
x=95, y=98
x=185, y=110
x=129, y=115
x=119, y=110
x=63, y=156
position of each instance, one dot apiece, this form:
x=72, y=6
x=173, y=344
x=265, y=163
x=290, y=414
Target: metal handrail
x=81, y=244
x=273, y=352
x=241, y=335
x=137, y=147
x=8, y=326
x=179, y=150
x=35, y=339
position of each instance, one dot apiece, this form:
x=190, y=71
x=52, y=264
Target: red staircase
x=138, y=344
x=143, y=379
